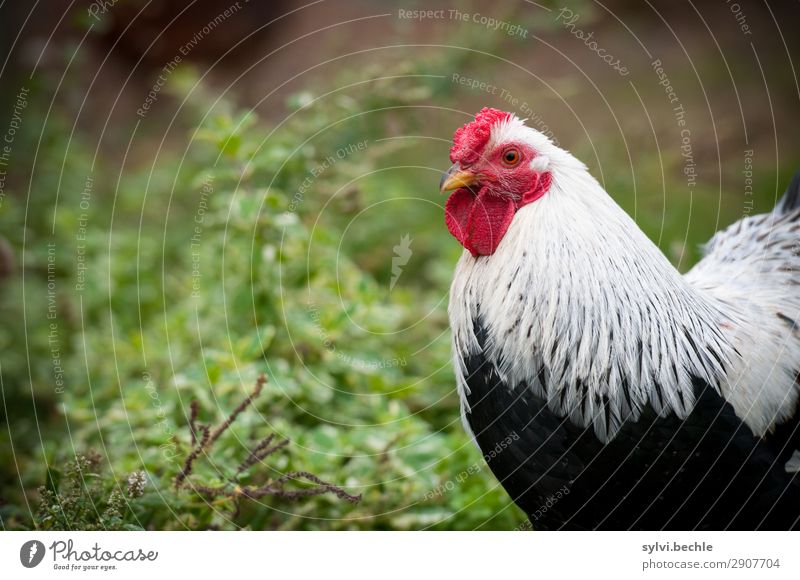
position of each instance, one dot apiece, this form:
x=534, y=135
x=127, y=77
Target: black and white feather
x=580, y=319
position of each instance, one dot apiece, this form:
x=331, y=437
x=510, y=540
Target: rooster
x=605, y=389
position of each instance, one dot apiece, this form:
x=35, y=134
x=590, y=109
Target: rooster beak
x=455, y=178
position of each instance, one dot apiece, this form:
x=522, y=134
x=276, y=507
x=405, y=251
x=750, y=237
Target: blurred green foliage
x=257, y=249
x=247, y=246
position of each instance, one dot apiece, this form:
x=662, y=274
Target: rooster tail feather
x=791, y=199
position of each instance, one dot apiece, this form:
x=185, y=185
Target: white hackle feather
x=584, y=309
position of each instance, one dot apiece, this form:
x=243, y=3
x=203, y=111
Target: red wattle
x=479, y=222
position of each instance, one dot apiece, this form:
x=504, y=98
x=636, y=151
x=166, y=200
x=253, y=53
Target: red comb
x=469, y=140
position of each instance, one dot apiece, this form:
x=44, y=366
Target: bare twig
x=203, y=438
x=261, y=451
x=275, y=488
x=188, y=465
x=195, y=411
x=262, y=379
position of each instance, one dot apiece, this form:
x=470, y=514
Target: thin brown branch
x=324, y=486
x=188, y=465
x=260, y=382
x=261, y=451
x=203, y=438
x=194, y=412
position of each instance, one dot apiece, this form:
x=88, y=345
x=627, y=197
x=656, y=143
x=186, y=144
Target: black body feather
x=707, y=471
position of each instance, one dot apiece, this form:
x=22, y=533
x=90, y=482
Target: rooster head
x=499, y=166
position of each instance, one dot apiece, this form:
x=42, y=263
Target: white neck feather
x=583, y=308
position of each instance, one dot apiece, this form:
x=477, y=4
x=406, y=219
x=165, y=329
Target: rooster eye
x=511, y=157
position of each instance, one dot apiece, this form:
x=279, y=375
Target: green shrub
x=233, y=258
